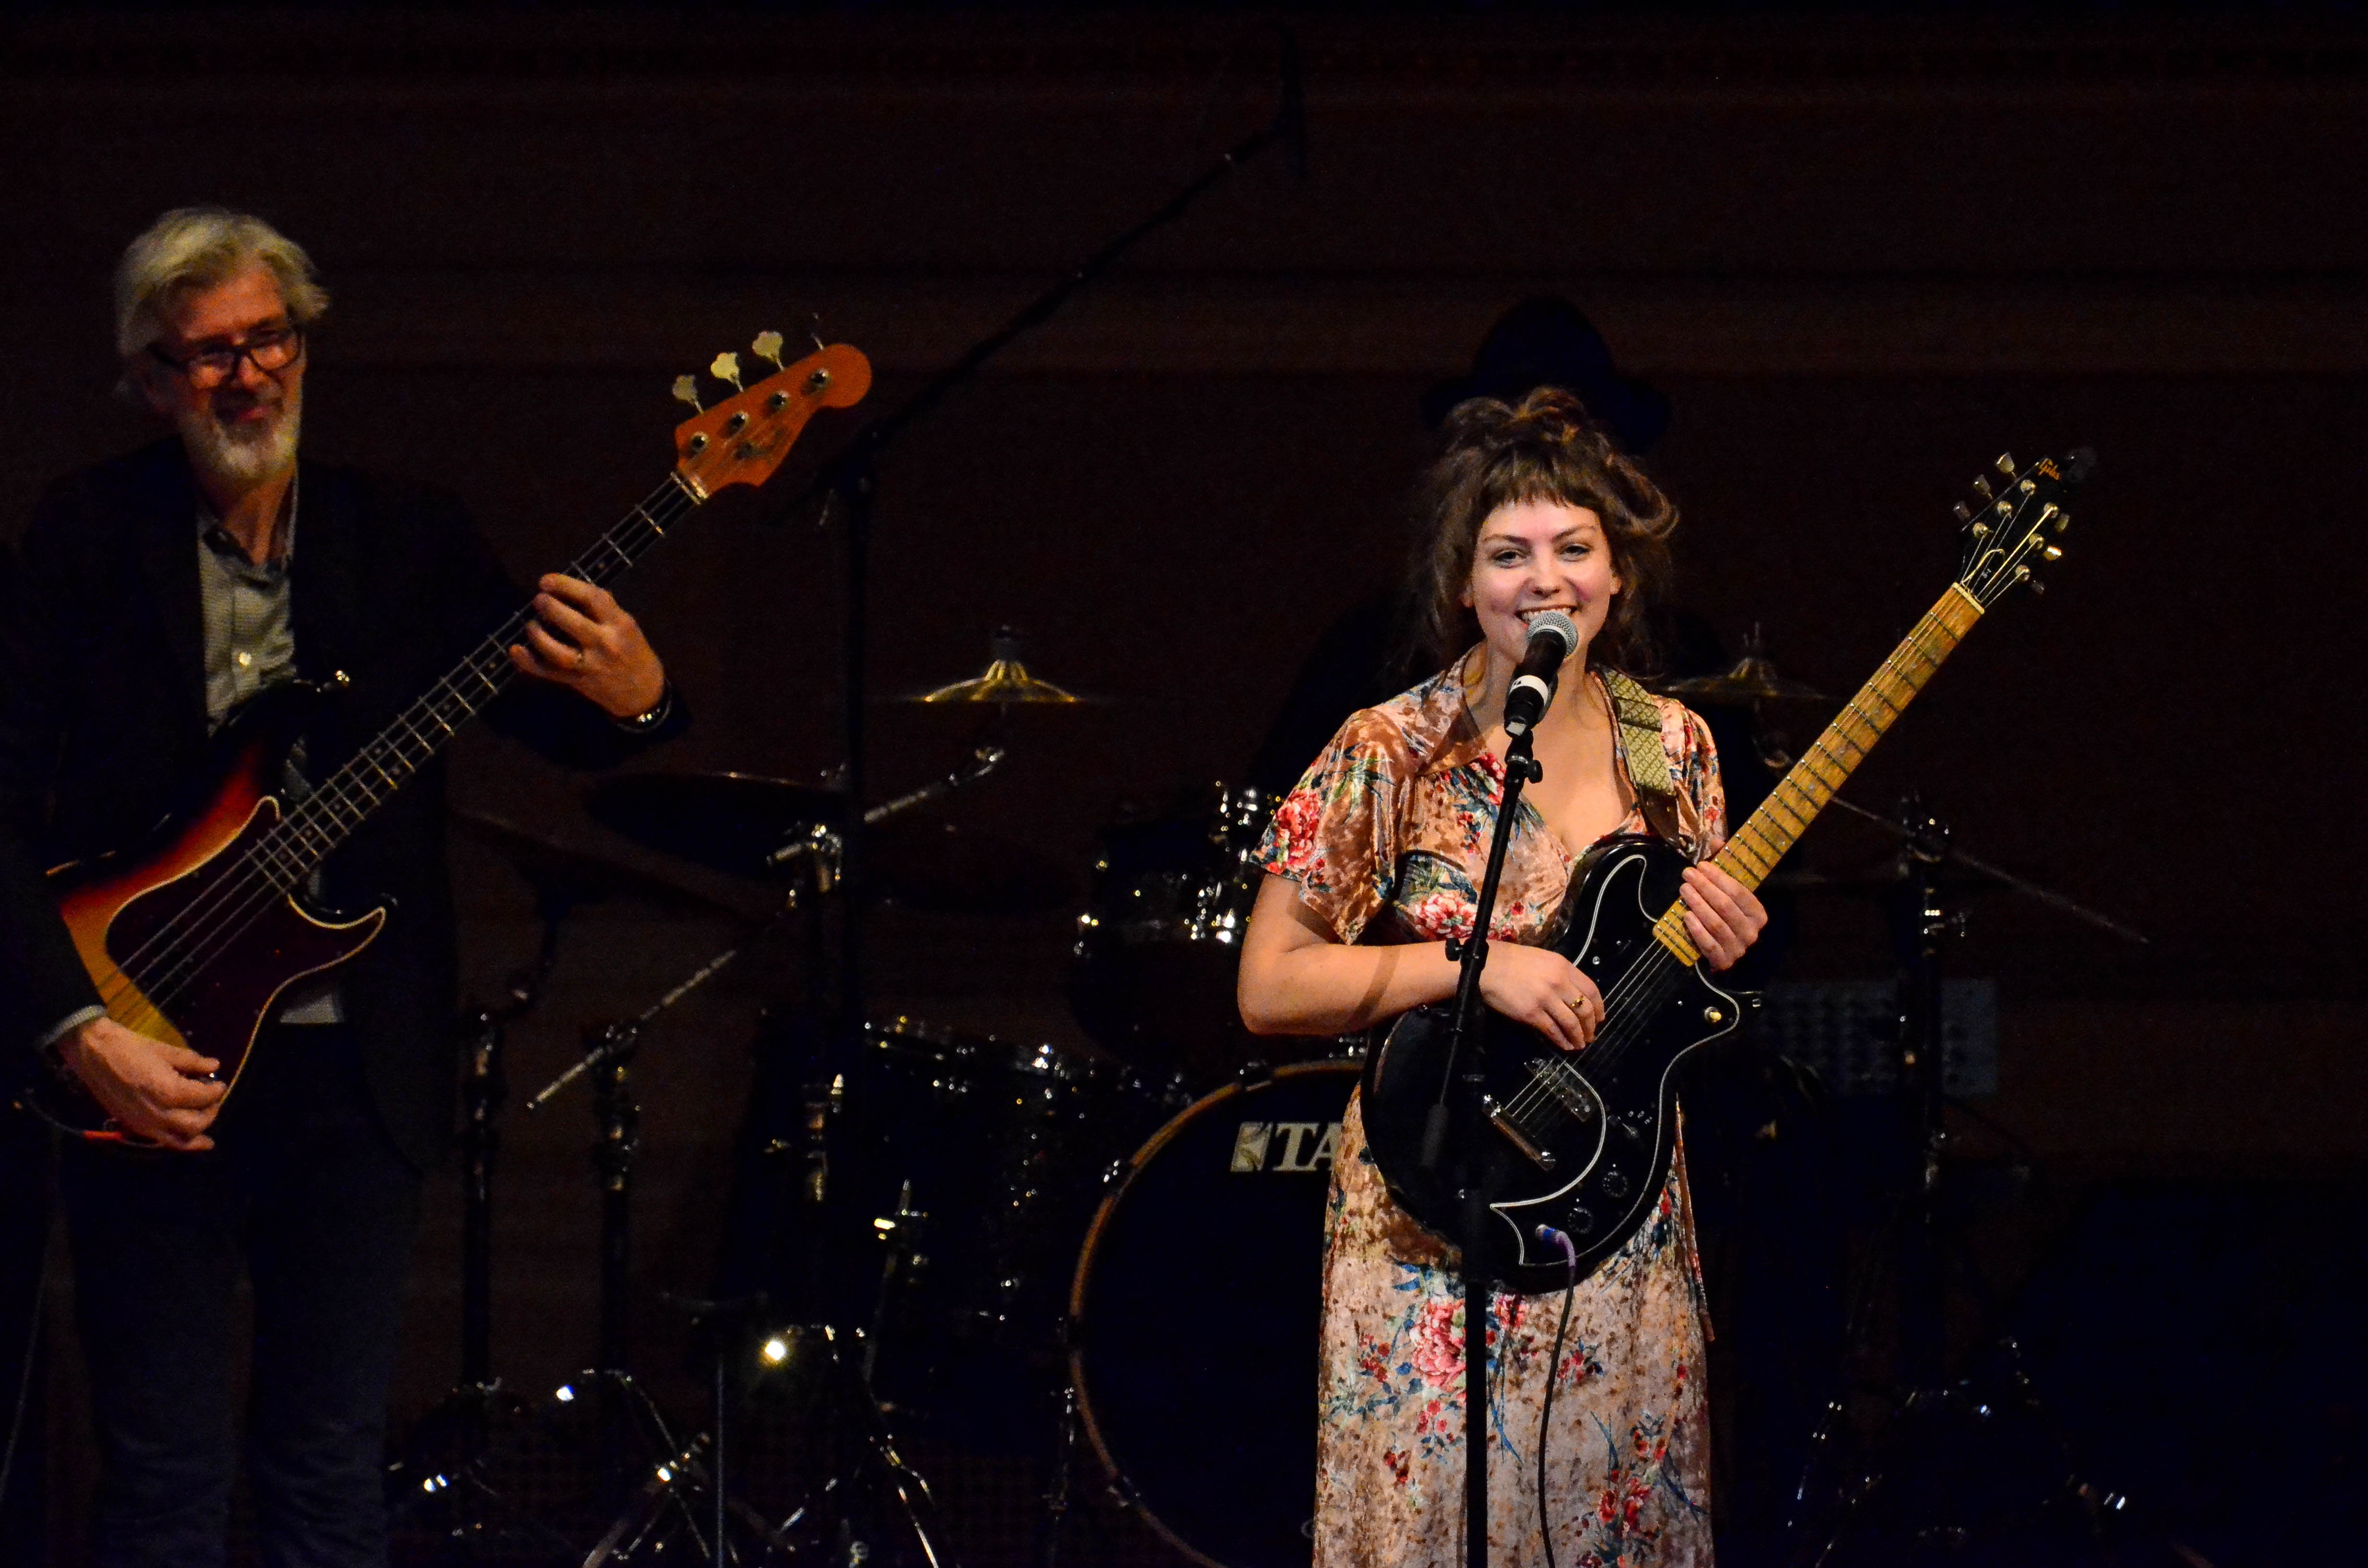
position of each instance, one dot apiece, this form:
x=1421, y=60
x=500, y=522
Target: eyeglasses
x=270, y=348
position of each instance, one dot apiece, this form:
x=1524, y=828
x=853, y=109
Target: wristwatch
x=655, y=715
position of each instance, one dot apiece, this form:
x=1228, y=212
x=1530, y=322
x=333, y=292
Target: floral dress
x=1387, y=836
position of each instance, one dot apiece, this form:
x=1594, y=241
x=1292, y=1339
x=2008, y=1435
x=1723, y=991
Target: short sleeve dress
x=1387, y=837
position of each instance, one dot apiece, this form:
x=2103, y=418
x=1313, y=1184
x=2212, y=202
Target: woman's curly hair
x=1544, y=447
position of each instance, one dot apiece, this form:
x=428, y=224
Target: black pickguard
x=1581, y=1141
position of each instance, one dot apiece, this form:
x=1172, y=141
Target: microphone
x=1552, y=638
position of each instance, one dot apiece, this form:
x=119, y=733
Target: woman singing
x=1374, y=860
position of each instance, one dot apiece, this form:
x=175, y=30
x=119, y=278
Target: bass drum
x=1194, y=1316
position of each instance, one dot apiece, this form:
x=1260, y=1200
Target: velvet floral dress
x=1387, y=836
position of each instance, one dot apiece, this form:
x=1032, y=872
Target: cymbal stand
x=847, y=490
x=457, y=1423
x=1924, y=923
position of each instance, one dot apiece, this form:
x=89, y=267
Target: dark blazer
x=103, y=728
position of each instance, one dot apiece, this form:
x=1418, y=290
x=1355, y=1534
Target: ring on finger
x=581, y=655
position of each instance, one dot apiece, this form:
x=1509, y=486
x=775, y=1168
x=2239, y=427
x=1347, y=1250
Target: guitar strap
x=1636, y=731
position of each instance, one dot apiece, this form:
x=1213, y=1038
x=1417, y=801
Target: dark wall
x=1862, y=261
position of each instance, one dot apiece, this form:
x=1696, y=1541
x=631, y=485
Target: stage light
x=776, y=1351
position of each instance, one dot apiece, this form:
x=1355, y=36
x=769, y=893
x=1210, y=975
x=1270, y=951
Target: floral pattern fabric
x=1387, y=837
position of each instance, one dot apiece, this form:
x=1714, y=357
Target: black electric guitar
x=1582, y=1143
x=192, y=938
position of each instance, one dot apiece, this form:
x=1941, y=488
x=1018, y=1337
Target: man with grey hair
x=150, y=599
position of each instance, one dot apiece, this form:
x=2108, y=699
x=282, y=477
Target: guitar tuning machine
x=686, y=390
x=815, y=332
x=2006, y=464
x=767, y=347
x=726, y=367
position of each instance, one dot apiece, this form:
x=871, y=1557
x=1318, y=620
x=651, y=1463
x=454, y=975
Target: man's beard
x=243, y=455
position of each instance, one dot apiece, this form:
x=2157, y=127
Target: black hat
x=1549, y=342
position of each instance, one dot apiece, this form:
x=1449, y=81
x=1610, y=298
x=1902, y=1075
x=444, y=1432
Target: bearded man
x=151, y=597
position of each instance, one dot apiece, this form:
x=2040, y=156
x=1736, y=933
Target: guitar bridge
x=1543, y=1158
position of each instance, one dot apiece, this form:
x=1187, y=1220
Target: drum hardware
x=1975, y=872
x=1750, y=682
x=773, y=830
x=455, y=1430
x=1158, y=948
x=1871, y=1503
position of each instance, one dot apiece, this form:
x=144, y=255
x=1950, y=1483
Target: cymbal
x=1006, y=682
x=1752, y=678
x=728, y=822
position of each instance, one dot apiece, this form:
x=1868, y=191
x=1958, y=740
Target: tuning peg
x=2053, y=552
x=2063, y=521
x=2037, y=588
x=815, y=332
x=1962, y=512
x=686, y=390
x=2006, y=464
x=1982, y=488
x=726, y=368
x=767, y=347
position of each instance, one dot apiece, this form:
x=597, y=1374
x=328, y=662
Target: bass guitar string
x=237, y=884
x=283, y=867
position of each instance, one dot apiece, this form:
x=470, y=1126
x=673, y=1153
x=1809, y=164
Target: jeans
x=306, y=1193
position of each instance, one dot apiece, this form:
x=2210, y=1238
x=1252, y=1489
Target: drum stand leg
x=1056, y=1492
x=860, y=1416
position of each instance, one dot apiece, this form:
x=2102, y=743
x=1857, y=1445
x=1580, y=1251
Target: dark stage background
x=1860, y=256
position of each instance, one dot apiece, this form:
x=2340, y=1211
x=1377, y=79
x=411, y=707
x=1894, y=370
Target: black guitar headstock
x=2013, y=523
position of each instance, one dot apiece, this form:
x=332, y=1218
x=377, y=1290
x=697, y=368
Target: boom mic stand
x=848, y=486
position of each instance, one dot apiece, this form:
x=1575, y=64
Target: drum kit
x=1016, y=1248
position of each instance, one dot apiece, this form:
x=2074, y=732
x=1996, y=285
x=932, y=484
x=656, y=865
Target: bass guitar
x=1581, y=1143
x=192, y=940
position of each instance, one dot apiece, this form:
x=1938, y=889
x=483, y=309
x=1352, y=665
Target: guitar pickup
x=1561, y=1080
x=1543, y=1158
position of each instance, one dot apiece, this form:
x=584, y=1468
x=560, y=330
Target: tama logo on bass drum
x=1284, y=1146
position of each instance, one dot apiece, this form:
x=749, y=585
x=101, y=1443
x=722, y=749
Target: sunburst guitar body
x=194, y=939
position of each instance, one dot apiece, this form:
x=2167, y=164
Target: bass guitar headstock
x=743, y=439
x=2012, y=525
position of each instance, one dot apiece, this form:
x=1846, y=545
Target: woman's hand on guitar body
x=581, y=637
x=1539, y=987
x=1722, y=916
x=156, y=1092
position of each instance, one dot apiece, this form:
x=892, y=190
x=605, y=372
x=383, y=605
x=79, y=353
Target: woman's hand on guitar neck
x=1722, y=916
x=156, y=1092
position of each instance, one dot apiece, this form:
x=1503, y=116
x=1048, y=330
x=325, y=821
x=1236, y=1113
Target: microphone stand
x=846, y=490
x=1461, y=1103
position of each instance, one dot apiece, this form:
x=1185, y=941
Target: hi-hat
x=1006, y=682
x=1750, y=680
